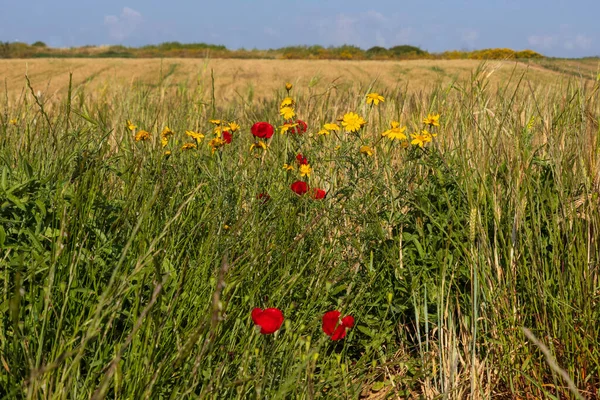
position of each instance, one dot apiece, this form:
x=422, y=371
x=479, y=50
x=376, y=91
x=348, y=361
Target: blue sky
x=553, y=27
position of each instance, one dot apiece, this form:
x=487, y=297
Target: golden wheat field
x=259, y=79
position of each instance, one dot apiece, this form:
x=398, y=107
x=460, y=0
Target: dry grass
x=258, y=79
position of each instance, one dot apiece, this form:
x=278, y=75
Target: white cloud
x=542, y=41
x=569, y=40
x=583, y=42
x=345, y=31
x=404, y=36
x=364, y=29
x=375, y=16
x=469, y=37
x=270, y=31
x=122, y=26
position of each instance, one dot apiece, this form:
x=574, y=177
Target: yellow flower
x=167, y=132
x=420, y=139
x=142, y=135
x=531, y=122
x=287, y=112
x=130, y=125
x=323, y=132
x=215, y=121
x=338, y=147
x=288, y=86
x=167, y=153
x=287, y=127
x=375, y=99
x=13, y=121
x=396, y=132
x=226, y=227
x=195, y=135
x=188, y=146
x=432, y=120
x=288, y=167
x=260, y=144
x=366, y=150
x=287, y=102
x=305, y=170
x=165, y=135
x=218, y=130
x=353, y=122
x=216, y=143
x=332, y=127
x=233, y=127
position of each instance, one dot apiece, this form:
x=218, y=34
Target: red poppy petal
x=339, y=333
x=269, y=131
x=270, y=320
x=348, y=321
x=319, y=194
x=262, y=130
x=330, y=321
x=299, y=187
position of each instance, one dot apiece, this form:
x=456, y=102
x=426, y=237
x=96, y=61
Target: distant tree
x=404, y=50
x=4, y=49
x=377, y=51
x=39, y=44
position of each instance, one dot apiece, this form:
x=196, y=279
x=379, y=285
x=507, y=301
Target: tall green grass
x=129, y=274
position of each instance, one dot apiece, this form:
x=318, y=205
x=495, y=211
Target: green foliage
x=406, y=50
x=377, y=52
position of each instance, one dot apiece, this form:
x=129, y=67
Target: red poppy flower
x=263, y=130
x=301, y=127
x=301, y=159
x=269, y=320
x=334, y=327
x=226, y=136
x=299, y=187
x=264, y=197
x=318, y=194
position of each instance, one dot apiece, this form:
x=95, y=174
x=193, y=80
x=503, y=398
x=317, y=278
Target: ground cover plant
x=328, y=242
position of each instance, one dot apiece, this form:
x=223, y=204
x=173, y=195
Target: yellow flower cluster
x=142, y=135
x=216, y=143
x=223, y=126
x=328, y=128
x=422, y=138
x=167, y=133
x=286, y=108
x=188, y=146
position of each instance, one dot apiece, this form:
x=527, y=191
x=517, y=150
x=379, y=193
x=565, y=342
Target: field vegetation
x=143, y=220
